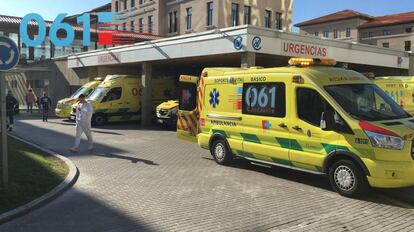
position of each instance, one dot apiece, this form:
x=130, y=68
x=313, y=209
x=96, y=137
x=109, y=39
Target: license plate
x=72, y=117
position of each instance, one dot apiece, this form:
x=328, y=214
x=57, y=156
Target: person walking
x=45, y=104
x=30, y=100
x=11, y=102
x=84, y=112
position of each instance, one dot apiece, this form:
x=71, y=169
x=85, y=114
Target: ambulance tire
x=221, y=152
x=348, y=179
x=98, y=119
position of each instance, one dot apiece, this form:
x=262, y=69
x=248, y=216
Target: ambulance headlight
x=385, y=141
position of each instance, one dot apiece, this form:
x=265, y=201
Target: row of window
x=248, y=17
x=407, y=45
x=370, y=34
x=140, y=26
x=125, y=4
x=173, y=17
x=336, y=33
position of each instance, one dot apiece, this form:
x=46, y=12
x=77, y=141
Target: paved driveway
x=147, y=180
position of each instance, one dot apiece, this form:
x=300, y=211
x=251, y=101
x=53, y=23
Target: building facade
x=168, y=18
x=390, y=31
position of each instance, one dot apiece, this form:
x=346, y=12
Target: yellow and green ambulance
x=118, y=98
x=64, y=106
x=399, y=88
x=310, y=116
x=166, y=113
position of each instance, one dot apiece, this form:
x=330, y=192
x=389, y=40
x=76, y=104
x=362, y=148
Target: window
x=187, y=96
x=386, y=32
x=113, y=94
x=348, y=32
x=326, y=34
x=234, y=14
x=278, y=21
x=116, y=6
x=407, y=45
x=189, y=18
x=175, y=21
x=386, y=45
x=132, y=3
x=172, y=22
x=141, y=25
x=310, y=105
x=210, y=9
x=366, y=102
x=268, y=18
x=265, y=99
x=150, y=23
x=125, y=4
x=247, y=14
x=335, y=33
x=132, y=26
x=317, y=33
x=408, y=30
x=370, y=34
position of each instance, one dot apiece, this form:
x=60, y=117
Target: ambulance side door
x=113, y=102
x=266, y=118
x=312, y=144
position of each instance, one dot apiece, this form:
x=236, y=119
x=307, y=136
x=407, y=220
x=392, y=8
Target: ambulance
x=399, y=88
x=64, y=106
x=118, y=98
x=310, y=116
x=166, y=113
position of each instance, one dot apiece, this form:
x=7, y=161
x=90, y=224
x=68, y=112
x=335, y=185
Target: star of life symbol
x=214, y=98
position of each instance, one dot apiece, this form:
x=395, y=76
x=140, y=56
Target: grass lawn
x=32, y=173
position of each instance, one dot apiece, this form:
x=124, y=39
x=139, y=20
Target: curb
x=69, y=181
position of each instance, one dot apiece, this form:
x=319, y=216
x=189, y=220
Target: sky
x=302, y=9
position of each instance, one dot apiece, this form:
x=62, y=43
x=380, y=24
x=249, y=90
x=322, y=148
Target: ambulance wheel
x=348, y=179
x=98, y=119
x=221, y=153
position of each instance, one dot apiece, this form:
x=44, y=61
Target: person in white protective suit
x=84, y=111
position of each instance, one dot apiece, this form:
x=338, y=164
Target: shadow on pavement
x=403, y=197
x=60, y=143
x=76, y=211
x=132, y=159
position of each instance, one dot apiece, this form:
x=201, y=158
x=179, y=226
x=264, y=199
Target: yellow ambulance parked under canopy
x=118, y=98
x=64, y=106
x=310, y=117
x=400, y=88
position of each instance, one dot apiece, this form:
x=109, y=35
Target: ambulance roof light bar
x=300, y=62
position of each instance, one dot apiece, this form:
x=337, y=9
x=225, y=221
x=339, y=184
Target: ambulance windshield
x=81, y=90
x=366, y=102
x=98, y=94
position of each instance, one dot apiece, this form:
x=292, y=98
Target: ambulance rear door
x=187, y=122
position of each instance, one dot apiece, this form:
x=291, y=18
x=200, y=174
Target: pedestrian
x=84, y=111
x=30, y=100
x=11, y=103
x=45, y=104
